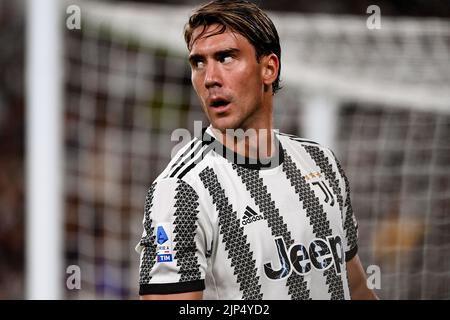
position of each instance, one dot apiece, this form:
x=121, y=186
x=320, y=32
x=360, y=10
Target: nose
x=213, y=77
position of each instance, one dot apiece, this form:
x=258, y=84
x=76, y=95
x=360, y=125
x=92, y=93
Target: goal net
x=380, y=99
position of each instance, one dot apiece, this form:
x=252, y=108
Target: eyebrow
x=198, y=57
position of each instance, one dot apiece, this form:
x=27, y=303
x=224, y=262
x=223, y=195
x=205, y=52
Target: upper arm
x=174, y=242
x=357, y=281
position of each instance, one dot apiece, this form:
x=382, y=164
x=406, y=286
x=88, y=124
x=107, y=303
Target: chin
x=223, y=124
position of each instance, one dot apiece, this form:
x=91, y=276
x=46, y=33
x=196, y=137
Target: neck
x=252, y=139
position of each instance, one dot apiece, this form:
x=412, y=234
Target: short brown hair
x=243, y=17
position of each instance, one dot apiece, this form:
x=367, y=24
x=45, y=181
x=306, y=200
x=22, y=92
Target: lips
x=219, y=103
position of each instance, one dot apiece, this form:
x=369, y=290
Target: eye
x=226, y=59
x=199, y=64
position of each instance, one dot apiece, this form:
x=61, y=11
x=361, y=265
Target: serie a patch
x=164, y=250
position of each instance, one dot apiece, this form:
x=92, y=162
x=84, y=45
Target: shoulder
x=303, y=149
x=295, y=142
x=183, y=169
x=185, y=160
x=290, y=137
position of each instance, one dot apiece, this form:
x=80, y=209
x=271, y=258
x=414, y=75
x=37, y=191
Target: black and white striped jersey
x=216, y=222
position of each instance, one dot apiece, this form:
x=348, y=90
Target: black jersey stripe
x=235, y=240
x=186, y=159
x=317, y=219
x=199, y=153
x=148, y=241
x=297, y=286
x=207, y=147
x=188, y=149
x=186, y=216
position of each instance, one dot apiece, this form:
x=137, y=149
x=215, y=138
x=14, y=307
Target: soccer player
x=222, y=224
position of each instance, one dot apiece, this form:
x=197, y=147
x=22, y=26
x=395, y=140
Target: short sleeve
x=349, y=222
x=174, y=241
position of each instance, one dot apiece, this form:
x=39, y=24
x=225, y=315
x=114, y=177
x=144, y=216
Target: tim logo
x=164, y=258
x=319, y=254
x=250, y=216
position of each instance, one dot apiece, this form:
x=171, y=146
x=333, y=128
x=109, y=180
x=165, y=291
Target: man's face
x=227, y=78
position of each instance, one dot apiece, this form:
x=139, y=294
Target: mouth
x=219, y=104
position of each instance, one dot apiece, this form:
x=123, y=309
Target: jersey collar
x=240, y=160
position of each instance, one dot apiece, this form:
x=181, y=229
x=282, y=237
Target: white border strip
x=44, y=147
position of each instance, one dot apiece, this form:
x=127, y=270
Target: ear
x=271, y=65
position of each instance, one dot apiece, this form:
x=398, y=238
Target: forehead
x=210, y=42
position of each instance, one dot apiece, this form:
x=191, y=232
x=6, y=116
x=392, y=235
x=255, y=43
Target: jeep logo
x=319, y=254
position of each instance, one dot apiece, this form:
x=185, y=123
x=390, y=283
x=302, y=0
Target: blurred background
x=380, y=98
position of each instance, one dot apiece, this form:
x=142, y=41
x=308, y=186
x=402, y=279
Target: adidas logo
x=250, y=216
